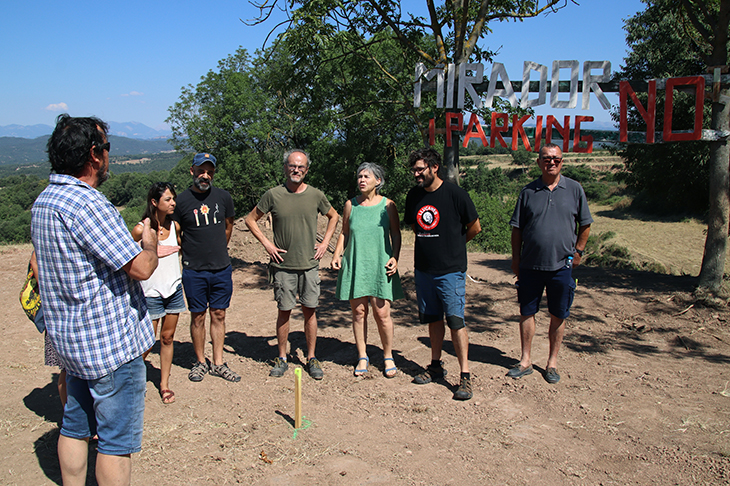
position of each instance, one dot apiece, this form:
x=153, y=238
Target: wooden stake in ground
x=297, y=398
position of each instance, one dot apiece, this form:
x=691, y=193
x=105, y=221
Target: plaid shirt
x=95, y=314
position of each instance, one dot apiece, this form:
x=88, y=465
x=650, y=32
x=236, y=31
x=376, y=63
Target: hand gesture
x=391, y=267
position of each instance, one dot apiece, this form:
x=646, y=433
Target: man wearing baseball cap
x=205, y=214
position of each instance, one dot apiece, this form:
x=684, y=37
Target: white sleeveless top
x=163, y=283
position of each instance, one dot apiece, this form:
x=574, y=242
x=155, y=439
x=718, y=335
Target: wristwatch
x=579, y=252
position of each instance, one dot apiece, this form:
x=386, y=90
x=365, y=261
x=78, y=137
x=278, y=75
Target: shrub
x=494, y=215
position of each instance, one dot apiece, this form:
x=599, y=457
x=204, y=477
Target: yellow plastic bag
x=30, y=296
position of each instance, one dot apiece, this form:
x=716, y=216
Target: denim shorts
x=558, y=284
x=160, y=306
x=287, y=283
x=440, y=295
x=205, y=288
x=111, y=406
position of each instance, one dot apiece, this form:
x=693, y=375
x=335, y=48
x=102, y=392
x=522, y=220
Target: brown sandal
x=168, y=396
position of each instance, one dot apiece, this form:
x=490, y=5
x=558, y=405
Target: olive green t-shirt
x=295, y=224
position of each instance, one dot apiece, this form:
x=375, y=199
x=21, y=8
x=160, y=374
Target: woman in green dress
x=366, y=256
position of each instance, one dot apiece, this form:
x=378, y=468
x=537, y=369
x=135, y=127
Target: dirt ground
x=644, y=396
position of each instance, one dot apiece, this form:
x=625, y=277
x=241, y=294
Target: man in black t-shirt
x=205, y=214
x=444, y=218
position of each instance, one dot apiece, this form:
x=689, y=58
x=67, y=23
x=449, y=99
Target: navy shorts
x=559, y=286
x=440, y=295
x=205, y=288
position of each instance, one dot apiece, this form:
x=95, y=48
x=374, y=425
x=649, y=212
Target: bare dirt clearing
x=643, y=397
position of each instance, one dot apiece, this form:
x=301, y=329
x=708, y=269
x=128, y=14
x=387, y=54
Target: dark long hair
x=156, y=192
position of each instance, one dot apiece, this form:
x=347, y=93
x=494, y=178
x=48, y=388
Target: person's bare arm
x=137, y=231
x=473, y=229
x=395, y=238
x=253, y=226
x=580, y=244
x=34, y=264
x=229, y=229
x=342, y=239
x=144, y=264
x=516, y=241
x=321, y=248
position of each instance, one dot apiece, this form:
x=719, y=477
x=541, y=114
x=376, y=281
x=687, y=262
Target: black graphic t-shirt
x=440, y=218
x=202, y=218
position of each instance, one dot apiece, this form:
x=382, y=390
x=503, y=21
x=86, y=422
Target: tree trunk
x=450, y=171
x=713, y=261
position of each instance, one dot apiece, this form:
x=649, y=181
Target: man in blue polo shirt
x=545, y=248
x=94, y=309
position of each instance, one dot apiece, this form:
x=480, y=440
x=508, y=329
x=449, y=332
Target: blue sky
x=127, y=61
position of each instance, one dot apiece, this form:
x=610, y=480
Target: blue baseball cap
x=200, y=159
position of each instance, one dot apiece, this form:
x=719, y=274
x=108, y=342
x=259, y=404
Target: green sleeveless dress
x=368, y=250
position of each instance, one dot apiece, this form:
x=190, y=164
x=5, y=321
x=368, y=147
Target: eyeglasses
x=555, y=160
x=418, y=170
x=104, y=146
x=300, y=168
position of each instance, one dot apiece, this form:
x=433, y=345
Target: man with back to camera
x=94, y=309
x=205, y=214
x=444, y=219
x=295, y=254
x=544, y=239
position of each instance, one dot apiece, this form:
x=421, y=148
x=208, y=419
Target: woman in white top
x=163, y=290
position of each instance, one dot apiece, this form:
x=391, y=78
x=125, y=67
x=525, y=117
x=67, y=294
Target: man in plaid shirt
x=95, y=311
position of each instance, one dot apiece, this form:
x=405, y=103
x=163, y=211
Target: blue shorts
x=440, y=295
x=160, y=306
x=204, y=288
x=559, y=286
x=111, y=406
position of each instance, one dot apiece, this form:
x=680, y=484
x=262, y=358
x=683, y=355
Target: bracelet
x=579, y=252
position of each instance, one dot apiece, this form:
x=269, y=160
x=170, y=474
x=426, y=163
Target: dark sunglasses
x=104, y=146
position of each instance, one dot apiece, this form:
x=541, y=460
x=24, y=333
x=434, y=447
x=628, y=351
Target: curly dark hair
x=427, y=154
x=72, y=139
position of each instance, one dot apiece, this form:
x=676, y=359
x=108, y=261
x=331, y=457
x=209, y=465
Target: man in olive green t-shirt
x=295, y=254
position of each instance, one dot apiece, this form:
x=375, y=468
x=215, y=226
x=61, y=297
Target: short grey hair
x=376, y=171
x=292, y=151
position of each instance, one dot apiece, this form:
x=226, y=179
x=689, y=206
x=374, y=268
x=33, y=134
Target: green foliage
x=522, y=157
x=581, y=173
x=343, y=112
x=475, y=147
x=494, y=215
x=670, y=176
x=600, y=253
x=484, y=180
x=127, y=191
x=17, y=194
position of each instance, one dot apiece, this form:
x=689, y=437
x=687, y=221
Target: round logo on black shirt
x=428, y=217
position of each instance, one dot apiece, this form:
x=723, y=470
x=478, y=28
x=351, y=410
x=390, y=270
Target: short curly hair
x=71, y=140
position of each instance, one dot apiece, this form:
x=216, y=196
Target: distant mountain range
x=133, y=130
x=18, y=151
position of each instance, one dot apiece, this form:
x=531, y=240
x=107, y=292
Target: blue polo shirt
x=549, y=221
x=95, y=314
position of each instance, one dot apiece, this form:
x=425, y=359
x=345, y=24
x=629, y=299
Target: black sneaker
x=432, y=373
x=280, y=367
x=198, y=372
x=464, y=391
x=314, y=369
